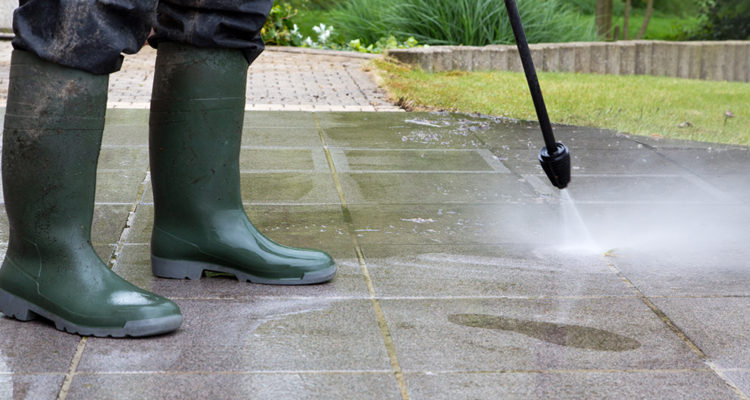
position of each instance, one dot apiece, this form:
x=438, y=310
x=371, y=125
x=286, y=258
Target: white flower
x=324, y=32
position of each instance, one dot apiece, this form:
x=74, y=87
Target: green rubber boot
x=197, y=111
x=53, y=131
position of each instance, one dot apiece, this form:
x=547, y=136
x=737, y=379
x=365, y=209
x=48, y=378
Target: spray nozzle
x=556, y=165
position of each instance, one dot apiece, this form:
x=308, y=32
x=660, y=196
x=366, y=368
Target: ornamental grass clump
x=461, y=22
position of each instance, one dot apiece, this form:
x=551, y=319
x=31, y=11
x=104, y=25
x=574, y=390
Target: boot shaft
x=52, y=134
x=197, y=113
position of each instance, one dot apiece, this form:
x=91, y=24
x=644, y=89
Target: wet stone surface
x=717, y=326
x=30, y=386
x=486, y=271
x=572, y=385
x=135, y=266
x=458, y=265
x=255, y=335
x=229, y=386
x=519, y=334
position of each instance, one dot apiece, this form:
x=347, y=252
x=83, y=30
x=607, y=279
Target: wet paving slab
x=717, y=326
x=462, y=272
x=741, y=378
x=229, y=386
x=470, y=335
x=134, y=265
x=259, y=334
x=34, y=347
x=572, y=385
x=487, y=271
x=30, y=386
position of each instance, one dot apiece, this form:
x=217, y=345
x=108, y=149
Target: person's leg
x=89, y=35
x=197, y=111
x=51, y=140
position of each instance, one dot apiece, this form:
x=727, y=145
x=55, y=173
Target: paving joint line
x=65, y=388
x=678, y=332
x=696, y=179
x=406, y=298
x=563, y=371
x=72, y=371
x=121, y=242
x=379, y=314
x=258, y=372
x=349, y=73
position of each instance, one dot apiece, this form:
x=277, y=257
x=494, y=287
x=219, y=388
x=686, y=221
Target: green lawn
x=641, y=105
x=660, y=27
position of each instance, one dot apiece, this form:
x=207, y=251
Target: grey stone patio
x=463, y=273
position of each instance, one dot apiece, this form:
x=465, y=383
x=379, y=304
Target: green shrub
x=587, y=7
x=724, y=20
x=364, y=19
x=467, y=22
x=680, y=8
x=322, y=4
x=279, y=28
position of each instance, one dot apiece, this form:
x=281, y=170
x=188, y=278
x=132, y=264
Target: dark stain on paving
x=581, y=337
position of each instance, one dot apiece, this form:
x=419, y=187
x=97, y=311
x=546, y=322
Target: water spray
x=555, y=162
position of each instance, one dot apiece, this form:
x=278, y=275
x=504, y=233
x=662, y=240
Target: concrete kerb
x=740, y=50
x=627, y=58
x=583, y=58
x=598, y=52
x=482, y=60
x=500, y=55
x=322, y=52
x=664, y=59
x=551, y=58
x=613, y=55
x=6, y=15
x=688, y=65
x=537, y=54
x=712, y=59
x=725, y=60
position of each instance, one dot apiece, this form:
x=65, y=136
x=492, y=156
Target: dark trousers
x=91, y=35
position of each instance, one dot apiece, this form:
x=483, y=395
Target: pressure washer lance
x=556, y=164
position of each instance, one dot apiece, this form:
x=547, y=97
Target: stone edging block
x=721, y=60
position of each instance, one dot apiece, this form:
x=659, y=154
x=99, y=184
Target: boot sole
x=22, y=310
x=193, y=270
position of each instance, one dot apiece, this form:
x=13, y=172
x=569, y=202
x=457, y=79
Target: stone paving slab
x=486, y=271
x=230, y=386
x=469, y=335
x=278, y=80
x=462, y=273
x=30, y=386
x=717, y=325
x=574, y=385
x=256, y=335
x=741, y=378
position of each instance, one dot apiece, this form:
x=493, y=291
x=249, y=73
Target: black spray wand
x=555, y=162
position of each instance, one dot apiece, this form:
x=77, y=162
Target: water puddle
x=577, y=336
x=425, y=122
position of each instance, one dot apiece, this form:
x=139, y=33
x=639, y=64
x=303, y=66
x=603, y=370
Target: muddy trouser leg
x=51, y=140
x=216, y=24
x=88, y=35
x=197, y=112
